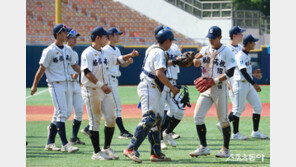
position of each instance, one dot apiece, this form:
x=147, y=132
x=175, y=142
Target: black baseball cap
x=73, y=33
x=97, y=31
x=214, y=32
x=236, y=30
x=249, y=38
x=59, y=28
x=114, y=30
x=161, y=27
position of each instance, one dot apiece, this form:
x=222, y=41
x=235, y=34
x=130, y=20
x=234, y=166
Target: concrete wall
x=179, y=20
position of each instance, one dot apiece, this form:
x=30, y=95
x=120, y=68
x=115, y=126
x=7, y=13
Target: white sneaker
x=100, y=156
x=175, y=136
x=259, y=135
x=168, y=138
x=51, y=147
x=69, y=148
x=110, y=153
x=163, y=145
x=224, y=153
x=219, y=127
x=200, y=151
x=239, y=136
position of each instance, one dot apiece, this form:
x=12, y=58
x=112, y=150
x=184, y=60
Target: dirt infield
x=44, y=113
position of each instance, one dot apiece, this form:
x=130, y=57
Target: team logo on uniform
x=100, y=60
x=211, y=30
x=96, y=54
x=61, y=58
x=55, y=60
x=57, y=52
x=95, y=62
x=232, y=50
x=105, y=61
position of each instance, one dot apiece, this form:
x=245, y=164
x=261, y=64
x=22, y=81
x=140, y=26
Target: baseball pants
x=216, y=95
x=113, y=83
x=96, y=106
x=75, y=100
x=60, y=94
x=242, y=91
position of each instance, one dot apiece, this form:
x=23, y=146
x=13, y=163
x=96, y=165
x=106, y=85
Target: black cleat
x=76, y=141
x=125, y=135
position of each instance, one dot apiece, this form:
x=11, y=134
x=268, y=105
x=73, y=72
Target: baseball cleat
x=224, y=153
x=85, y=132
x=175, y=136
x=162, y=158
x=125, y=135
x=239, y=136
x=168, y=138
x=258, y=135
x=110, y=153
x=200, y=151
x=100, y=156
x=163, y=145
x=76, y=141
x=69, y=148
x=51, y=147
x=219, y=127
x=132, y=155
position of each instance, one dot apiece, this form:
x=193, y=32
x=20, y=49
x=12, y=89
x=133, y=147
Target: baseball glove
x=202, y=84
x=185, y=60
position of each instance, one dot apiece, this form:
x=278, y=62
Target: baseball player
x=153, y=79
x=174, y=113
x=53, y=62
x=244, y=88
x=113, y=73
x=217, y=63
x=236, y=36
x=75, y=99
x=96, y=92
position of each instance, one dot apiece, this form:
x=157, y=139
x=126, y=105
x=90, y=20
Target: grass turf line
x=37, y=137
x=128, y=95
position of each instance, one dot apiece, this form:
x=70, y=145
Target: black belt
x=170, y=79
x=113, y=76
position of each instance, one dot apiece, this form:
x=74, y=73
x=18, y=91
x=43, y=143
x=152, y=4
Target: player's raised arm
x=123, y=59
x=37, y=78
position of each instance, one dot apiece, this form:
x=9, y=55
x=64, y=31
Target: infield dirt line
x=38, y=93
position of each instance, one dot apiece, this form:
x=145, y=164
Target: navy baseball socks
x=109, y=131
x=95, y=140
x=201, y=132
x=120, y=124
x=52, y=133
x=75, y=128
x=226, y=136
x=256, y=120
x=172, y=125
x=235, y=123
x=165, y=123
x=62, y=132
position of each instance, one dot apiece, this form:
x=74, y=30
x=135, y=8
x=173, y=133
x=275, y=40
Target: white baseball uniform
x=213, y=64
x=95, y=99
x=56, y=61
x=113, y=73
x=75, y=98
x=242, y=89
x=172, y=75
x=148, y=91
x=234, y=50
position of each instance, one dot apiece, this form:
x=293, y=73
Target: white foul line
x=37, y=93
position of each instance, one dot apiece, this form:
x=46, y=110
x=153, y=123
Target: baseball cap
x=236, y=30
x=249, y=38
x=214, y=32
x=73, y=33
x=164, y=34
x=97, y=31
x=59, y=28
x=114, y=30
x=158, y=28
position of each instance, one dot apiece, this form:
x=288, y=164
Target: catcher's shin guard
x=154, y=139
x=148, y=121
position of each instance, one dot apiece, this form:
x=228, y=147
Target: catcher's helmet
x=163, y=35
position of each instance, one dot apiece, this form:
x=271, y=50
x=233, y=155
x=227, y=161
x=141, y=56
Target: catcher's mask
x=182, y=98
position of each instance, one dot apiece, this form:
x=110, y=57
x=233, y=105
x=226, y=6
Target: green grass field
x=36, y=135
x=128, y=95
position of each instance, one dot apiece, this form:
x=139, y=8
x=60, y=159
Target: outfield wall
x=130, y=75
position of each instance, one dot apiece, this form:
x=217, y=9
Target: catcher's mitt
x=202, y=84
x=185, y=60
x=182, y=98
